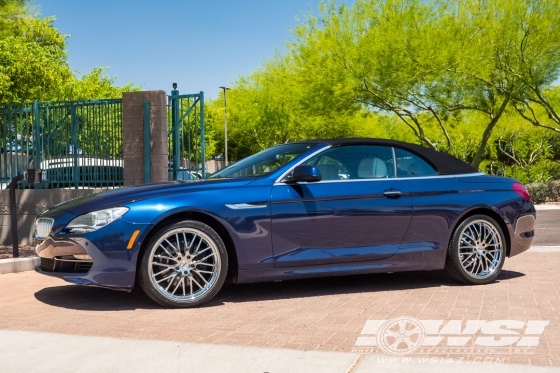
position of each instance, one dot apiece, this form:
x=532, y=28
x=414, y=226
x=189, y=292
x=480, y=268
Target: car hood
x=113, y=198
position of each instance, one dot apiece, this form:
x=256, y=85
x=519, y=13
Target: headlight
x=92, y=221
x=43, y=227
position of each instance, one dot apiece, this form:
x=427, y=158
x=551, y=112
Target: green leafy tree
x=271, y=107
x=95, y=85
x=429, y=63
x=451, y=75
x=32, y=61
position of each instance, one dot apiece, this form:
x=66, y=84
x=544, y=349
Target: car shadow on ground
x=96, y=299
x=340, y=285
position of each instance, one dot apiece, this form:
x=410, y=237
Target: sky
x=198, y=44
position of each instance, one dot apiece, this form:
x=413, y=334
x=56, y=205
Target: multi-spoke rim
x=184, y=264
x=480, y=249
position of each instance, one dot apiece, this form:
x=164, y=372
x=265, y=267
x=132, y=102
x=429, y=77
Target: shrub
x=554, y=191
x=538, y=192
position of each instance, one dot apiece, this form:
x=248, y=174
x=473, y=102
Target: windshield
x=263, y=163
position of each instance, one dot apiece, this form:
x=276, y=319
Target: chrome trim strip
x=391, y=178
x=50, y=248
x=471, y=174
x=244, y=206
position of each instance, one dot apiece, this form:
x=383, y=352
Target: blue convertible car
x=305, y=209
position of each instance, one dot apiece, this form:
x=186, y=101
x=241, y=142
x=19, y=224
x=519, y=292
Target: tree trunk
x=488, y=132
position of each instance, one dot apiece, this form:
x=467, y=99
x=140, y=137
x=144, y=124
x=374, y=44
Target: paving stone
x=317, y=314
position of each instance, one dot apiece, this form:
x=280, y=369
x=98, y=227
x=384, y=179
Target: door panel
x=337, y=221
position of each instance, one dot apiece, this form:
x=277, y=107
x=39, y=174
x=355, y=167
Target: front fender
x=249, y=228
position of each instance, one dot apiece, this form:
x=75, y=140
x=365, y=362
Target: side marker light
x=132, y=239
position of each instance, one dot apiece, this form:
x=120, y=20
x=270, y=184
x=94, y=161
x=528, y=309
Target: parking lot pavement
x=326, y=314
x=547, y=228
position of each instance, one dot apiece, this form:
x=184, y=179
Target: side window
x=351, y=162
x=411, y=165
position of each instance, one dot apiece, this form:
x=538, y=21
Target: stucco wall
x=29, y=203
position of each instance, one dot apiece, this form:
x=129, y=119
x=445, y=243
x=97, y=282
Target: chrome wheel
x=476, y=251
x=184, y=265
x=480, y=249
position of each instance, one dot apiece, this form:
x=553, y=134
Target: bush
x=538, y=192
x=554, y=191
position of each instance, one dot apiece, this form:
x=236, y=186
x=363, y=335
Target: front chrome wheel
x=477, y=251
x=183, y=266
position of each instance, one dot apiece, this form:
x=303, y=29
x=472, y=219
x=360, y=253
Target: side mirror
x=306, y=173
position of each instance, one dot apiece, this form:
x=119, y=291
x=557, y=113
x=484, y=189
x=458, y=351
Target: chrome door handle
x=392, y=193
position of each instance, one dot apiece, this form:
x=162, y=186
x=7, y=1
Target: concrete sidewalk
x=49, y=352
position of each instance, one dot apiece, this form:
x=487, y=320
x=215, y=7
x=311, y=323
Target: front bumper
x=101, y=258
x=64, y=256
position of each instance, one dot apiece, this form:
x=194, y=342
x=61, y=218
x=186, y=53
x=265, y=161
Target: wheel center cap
x=186, y=265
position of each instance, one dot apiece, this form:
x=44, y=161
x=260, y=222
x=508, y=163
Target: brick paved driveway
x=322, y=314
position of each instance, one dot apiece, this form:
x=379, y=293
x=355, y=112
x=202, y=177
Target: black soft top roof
x=445, y=164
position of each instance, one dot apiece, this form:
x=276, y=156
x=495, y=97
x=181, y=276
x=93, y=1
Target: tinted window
x=263, y=163
x=411, y=165
x=353, y=162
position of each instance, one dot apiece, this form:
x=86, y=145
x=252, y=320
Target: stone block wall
x=133, y=136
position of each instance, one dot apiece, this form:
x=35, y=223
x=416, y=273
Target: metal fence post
x=147, y=170
x=175, y=128
x=37, y=135
x=75, y=169
x=202, y=140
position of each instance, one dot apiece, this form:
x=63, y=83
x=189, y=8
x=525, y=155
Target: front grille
x=47, y=264
x=66, y=264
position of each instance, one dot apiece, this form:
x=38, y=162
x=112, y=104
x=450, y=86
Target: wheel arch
x=488, y=211
x=203, y=218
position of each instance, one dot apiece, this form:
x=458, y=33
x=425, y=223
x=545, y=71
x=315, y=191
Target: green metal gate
x=78, y=143
x=186, y=136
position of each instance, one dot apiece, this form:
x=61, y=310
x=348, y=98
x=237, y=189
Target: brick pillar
x=133, y=136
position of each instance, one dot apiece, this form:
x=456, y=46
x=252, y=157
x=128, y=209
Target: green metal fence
x=186, y=136
x=78, y=143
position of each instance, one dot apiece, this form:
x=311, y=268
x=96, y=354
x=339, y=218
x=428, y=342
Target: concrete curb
x=547, y=207
x=18, y=264
x=544, y=249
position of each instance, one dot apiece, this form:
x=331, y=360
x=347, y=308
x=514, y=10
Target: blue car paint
x=337, y=221
x=302, y=228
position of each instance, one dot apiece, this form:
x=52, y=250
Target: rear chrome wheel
x=477, y=251
x=184, y=265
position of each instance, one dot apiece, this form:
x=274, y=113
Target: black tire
x=177, y=271
x=476, y=251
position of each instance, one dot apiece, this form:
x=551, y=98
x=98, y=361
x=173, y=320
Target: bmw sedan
x=305, y=209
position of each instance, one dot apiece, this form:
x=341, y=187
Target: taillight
x=521, y=190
